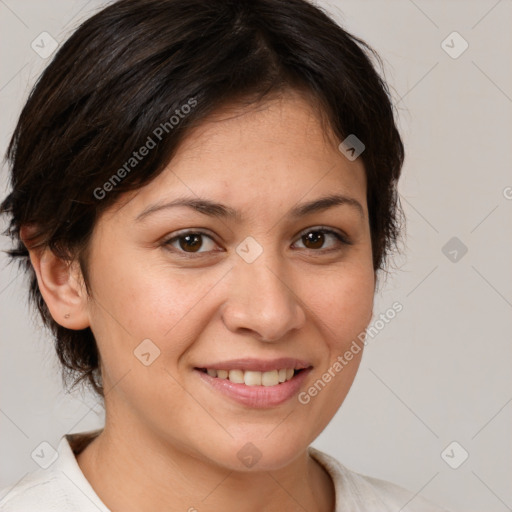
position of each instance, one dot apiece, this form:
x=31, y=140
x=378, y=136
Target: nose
x=262, y=301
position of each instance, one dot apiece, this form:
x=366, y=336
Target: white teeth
x=222, y=374
x=254, y=378
x=270, y=378
x=236, y=376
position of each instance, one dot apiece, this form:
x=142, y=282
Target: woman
x=203, y=193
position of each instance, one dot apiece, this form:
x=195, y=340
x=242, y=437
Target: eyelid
x=189, y=231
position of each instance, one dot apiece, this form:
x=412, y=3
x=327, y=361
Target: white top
x=62, y=487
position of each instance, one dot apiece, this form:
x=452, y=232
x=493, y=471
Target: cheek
x=137, y=299
x=343, y=311
x=344, y=306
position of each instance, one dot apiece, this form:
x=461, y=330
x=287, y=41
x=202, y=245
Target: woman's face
x=251, y=285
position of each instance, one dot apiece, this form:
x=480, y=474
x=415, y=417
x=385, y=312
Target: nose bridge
x=261, y=300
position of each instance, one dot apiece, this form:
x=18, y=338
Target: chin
x=257, y=453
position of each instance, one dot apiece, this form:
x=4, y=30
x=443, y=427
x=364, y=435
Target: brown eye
x=314, y=239
x=190, y=243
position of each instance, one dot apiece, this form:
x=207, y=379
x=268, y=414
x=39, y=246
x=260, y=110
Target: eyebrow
x=219, y=210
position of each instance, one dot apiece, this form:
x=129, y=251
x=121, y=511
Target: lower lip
x=258, y=397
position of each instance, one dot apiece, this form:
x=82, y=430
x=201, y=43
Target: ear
x=61, y=285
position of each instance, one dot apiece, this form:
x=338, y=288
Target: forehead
x=271, y=154
x=278, y=124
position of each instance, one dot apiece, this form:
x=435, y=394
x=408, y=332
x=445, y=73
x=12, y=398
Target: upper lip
x=258, y=365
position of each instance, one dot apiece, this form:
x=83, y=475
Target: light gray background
x=440, y=372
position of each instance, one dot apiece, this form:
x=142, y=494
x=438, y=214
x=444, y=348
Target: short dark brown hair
x=142, y=64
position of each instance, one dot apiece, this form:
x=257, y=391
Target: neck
x=134, y=472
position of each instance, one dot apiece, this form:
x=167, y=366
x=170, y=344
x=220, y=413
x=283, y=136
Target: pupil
x=317, y=239
x=194, y=239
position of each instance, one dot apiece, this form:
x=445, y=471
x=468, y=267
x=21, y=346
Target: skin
x=170, y=442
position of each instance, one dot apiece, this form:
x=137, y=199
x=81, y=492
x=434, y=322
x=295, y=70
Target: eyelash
x=342, y=239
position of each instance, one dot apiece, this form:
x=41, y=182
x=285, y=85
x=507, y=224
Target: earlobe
x=61, y=285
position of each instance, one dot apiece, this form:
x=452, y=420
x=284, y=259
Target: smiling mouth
x=254, y=378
